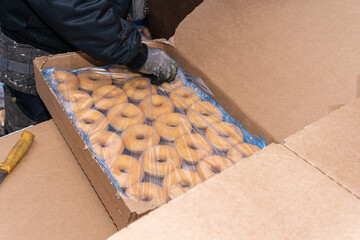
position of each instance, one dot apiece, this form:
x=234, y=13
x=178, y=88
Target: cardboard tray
x=122, y=210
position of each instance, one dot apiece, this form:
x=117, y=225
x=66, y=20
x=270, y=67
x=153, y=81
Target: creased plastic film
x=154, y=142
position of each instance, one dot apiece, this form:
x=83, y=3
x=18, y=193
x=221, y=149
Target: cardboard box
x=47, y=195
x=275, y=67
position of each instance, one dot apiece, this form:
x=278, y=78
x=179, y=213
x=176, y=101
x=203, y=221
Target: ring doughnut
x=211, y=165
x=241, y=151
x=172, y=125
x=168, y=87
x=160, y=160
x=121, y=73
x=78, y=100
x=122, y=116
x=92, y=121
x=155, y=105
x=224, y=135
x=91, y=80
x=138, y=138
x=107, y=144
x=138, y=88
x=180, y=181
x=126, y=170
x=66, y=81
x=183, y=97
x=147, y=192
x=107, y=96
x=203, y=114
x=192, y=147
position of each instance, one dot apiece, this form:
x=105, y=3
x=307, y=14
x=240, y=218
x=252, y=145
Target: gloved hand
x=160, y=66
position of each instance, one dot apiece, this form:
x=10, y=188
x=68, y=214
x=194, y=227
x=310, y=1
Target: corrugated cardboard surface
x=272, y=195
x=47, y=196
x=333, y=145
x=285, y=64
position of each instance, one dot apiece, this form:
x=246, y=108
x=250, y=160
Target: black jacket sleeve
x=95, y=27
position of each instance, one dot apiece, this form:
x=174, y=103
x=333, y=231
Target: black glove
x=160, y=66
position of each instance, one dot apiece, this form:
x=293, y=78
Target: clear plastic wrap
x=154, y=142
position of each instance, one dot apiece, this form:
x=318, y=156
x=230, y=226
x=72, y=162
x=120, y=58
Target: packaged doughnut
x=154, y=142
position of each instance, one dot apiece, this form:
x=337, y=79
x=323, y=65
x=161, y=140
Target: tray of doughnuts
x=154, y=142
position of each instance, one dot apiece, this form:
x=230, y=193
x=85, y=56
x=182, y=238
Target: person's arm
x=94, y=27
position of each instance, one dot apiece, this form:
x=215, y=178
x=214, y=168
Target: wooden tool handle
x=18, y=151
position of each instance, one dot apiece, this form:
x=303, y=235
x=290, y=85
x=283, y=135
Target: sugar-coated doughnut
x=92, y=121
x=183, y=97
x=241, y=151
x=107, y=96
x=78, y=100
x=138, y=88
x=91, y=80
x=203, y=114
x=180, y=181
x=168, y=87
x=172, y=125
x=224, y=135
x=211, y=165
x=138, y=138
x=192, y=147
x=155, y=105
x=122, y=116
x=160, y=160
x=126, y=170
x=66, y=81
x=121, y=73
x=147, y=192
x=107, y=144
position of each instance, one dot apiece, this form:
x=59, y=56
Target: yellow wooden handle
x=18, y=151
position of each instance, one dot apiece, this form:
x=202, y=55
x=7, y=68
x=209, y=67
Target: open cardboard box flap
x=256, y=200
x=284, y=64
